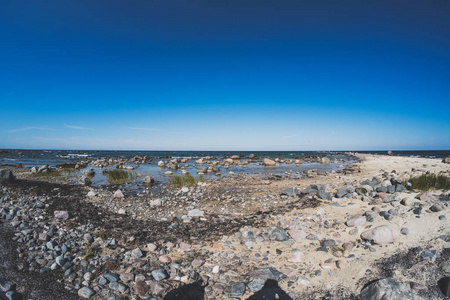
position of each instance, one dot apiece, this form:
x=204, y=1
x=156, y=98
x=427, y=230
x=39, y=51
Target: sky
x=225, y=75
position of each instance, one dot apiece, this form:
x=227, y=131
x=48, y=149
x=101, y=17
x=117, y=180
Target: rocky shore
x=363, y=233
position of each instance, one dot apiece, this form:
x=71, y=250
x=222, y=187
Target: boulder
x=446, y=160
x=379, y=235
x=84, y=181
x=6, y=176
x=387, y=289
x=290, y=192
x=148, y=180
x=269, y=162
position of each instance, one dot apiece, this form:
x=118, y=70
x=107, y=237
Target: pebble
x=159, y=274
x=86, y=292
x=404, y=231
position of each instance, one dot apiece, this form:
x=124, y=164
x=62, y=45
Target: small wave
x=78, y=155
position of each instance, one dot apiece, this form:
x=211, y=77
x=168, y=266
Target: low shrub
x=430, y=181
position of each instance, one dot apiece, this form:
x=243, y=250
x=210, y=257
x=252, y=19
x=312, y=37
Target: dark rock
x=328, y=243
x=312, y=237
x=444, y=285
x=267, y=273
x=111, y=277
x=442, y=217
x=404, y=231
x=237, y=289
x=6, y=285
x=256, y=285
x=160, y=274
x=13, y=295
x=341, y=193
x=118, y=287
x=86, y=292
x=386, y=289
x=325, y=195
x=290, y=192
x=6, y=176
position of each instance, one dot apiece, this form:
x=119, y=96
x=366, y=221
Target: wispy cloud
x=289, y=136
x=30, y=128
x=78, y=127
x=153, y=129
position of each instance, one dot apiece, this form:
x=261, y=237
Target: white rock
x=380, y=235
x=118, y=194
x=216, y=269
x=195, y=213
x=297, y=235
x=356, y=221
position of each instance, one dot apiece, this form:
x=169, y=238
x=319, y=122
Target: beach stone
x=184, y=189
x=297, y=235
x=341, y=264
x=84, y=181
x=386, y=289
x=86, y=292
x=408, y=201
x=196, y=263
x=160, y=274
x=13, y=295
x=111, y=277
x=126, y=277
x=141, y=288
x=256, y=285
x=118, y=194
x=195, y=213
x=269, y=163
x=312, y=237
x=436, y=207
x=404, y=231
x=87, y=237
x=158, y=288
x=446, y=160
x=278, y=234
x=6, y=176
x=296, y=256
x=6, y=285
x=122, y=211
x=148, y=180
x=444, y=285
x=379, y=235
x=237, y=289
x=165, y=259
x=325, y=195
x=353, y=231
x=118, y=287
x=328, y=243
x=267, y=273
x=356, y=221
x=302, y=280
x=91, y=193
x=290, y=192
x=341, y=193
x=61, y=214
x=137, y=253
x=151, y=247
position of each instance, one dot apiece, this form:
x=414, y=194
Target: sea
x=52, y=158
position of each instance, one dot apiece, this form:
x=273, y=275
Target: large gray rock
x=85, y=292
x=387, y=289
x=379, y=235
x=267, y=273
x=444, y=286
x=290, y=192
x=278, y=234
x=6, y=176
x=84, y=181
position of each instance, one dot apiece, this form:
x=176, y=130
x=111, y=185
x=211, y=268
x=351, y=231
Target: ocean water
x=29, y=158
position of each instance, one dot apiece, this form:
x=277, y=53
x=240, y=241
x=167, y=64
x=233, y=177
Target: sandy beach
x=241, y=237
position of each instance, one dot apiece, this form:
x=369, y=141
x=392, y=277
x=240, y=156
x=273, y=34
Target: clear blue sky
x=225, y=75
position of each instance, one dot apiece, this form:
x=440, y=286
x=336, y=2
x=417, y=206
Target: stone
x=436, y=207
x=195, y=213
x=111, y=277
x=151, y=247
x=256, y=285
x=117, y=286
x=184, y=189
x=157, y=288
x=341, y=193
x=118, y=194
x=165, y=259
x=296, y=256
x=141, y=288
x=324, y=195
x=61, y=214
x=91, y=193
x=290, y=192
x=446, y=160
x=84, y=181
x=302, y=280
x=6, y=176
x=312, y=237
x=148, y=180
x=267, y=273
x=126, y=277
x=86, y=292
x=87, y=237
x=278, y=234
x=122, y=211
x=13, y=295
x=386, y=289
x=297, y=235
x=444, y=285
x=269, y=163
x=60, y=261
x=341, y=264
x=196, y=263
x=237, y=289
x=404, y=231
x=136, y=253
x=160, y=274
x=356, y=221
x=379, y=235
x=156, y=202
x=6, y=285
x=353, y=231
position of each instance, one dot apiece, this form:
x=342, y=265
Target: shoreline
x=254, y=221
